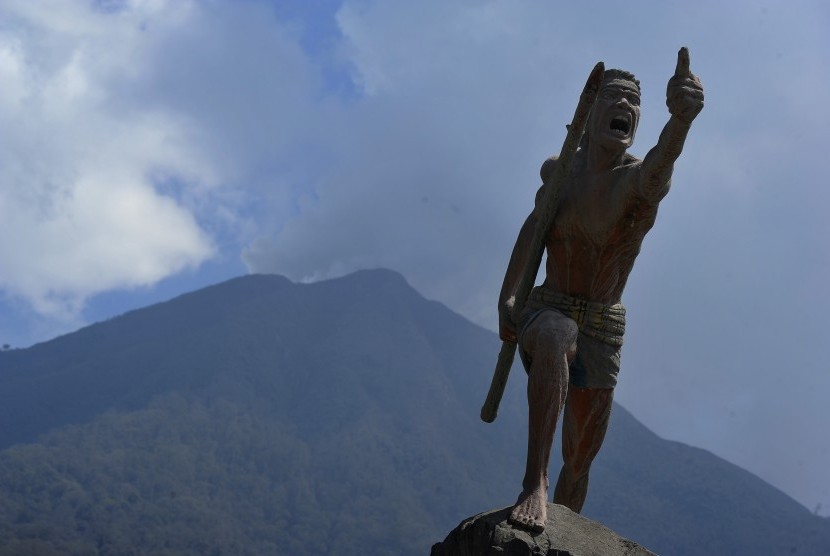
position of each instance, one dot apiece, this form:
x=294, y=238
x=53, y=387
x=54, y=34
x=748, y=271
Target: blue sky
x=153, y=147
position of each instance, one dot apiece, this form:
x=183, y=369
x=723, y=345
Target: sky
x=153, y=147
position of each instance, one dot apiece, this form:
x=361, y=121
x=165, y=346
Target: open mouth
x=621, y=125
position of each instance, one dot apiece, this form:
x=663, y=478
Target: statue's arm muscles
x=656, y=169
x=518, y=261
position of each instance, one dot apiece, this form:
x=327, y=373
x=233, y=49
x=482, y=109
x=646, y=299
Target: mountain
x=259, y=416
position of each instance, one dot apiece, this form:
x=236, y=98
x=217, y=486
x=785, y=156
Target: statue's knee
x=559, y=336
x=551, y=340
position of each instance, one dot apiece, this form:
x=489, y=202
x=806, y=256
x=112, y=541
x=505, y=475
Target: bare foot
x=531, y=509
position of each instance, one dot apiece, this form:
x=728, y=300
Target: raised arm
x=684, y=97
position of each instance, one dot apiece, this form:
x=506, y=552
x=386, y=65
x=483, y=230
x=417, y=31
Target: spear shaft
x=544, y=219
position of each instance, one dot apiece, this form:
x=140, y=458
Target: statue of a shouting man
x=571, y=329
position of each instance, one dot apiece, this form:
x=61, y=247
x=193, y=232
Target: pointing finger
x=682, y=69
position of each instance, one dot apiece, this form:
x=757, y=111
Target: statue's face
x=615, y=115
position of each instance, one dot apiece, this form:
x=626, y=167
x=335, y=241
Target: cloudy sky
x=152, y=147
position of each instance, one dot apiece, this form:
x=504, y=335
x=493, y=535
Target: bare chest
x=593, y=210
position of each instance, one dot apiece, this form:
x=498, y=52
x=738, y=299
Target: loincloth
x=601, y=328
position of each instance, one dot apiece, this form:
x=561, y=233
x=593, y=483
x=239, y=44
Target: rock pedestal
x=566, y=534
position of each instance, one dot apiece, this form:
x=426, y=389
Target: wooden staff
x=544, y=219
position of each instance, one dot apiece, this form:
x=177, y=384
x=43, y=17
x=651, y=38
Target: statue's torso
x=596, y=234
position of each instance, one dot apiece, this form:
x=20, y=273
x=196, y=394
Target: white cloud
x=437, y=160
x=80, y=175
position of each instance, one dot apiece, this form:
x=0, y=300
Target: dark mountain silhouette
x=260, y=416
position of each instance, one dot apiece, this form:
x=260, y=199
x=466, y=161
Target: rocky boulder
x=566, y=534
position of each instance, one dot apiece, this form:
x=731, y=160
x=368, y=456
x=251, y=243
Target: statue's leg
x=584, y=423
x=549, y=340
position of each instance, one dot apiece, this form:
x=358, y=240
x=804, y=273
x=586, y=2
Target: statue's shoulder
x=548, y=165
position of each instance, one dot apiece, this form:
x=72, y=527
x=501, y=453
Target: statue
x=570, y=329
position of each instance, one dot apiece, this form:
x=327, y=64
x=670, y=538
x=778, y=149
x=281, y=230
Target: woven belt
x=605, y=323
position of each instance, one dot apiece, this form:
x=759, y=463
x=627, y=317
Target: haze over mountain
x=260, y=416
